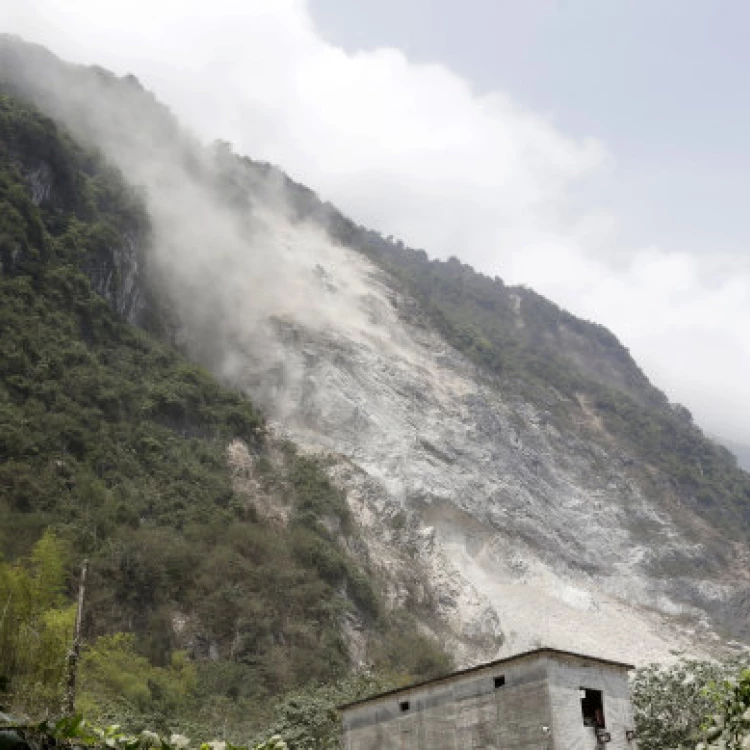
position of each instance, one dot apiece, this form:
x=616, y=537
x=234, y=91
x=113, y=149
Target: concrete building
x=540, y=700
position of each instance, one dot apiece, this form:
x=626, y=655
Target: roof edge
x=487, y=665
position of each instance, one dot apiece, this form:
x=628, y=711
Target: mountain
x=512, y=476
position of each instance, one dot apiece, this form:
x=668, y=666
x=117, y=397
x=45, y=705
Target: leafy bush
x=729, y=727
x=673, y=703
x=74, y=732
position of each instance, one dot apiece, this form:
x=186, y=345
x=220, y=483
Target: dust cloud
x=232, y=268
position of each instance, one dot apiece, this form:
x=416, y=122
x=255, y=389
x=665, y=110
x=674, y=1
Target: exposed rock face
x=498, y=529
x=41, y=183
x=118, y=275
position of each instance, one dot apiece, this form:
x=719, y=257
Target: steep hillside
x=205, y=535
x=513, y=475
x=548, y=356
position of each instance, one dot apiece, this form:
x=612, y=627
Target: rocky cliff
x=499, y=466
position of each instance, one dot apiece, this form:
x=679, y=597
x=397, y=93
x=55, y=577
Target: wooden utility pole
x=71, y=665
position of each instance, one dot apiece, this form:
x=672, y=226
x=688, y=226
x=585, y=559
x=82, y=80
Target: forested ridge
x=114, y=447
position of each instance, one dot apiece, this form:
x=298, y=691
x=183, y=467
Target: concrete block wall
x=566, y=677
x=468, y=712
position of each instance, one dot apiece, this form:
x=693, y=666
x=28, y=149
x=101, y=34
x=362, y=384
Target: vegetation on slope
x=199, y=607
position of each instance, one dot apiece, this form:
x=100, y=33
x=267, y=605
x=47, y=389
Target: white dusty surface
x=473, y=506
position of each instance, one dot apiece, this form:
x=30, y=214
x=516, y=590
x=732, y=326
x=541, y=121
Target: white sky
x=595, y=151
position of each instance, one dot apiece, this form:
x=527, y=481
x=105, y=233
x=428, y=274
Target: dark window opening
x=404, y=705
x=499, y=681
x=592, y=708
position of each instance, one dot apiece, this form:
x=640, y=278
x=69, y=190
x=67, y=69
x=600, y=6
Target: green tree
x=672, y=703
x=116, y=681
x=729, y=727
x=36, y=626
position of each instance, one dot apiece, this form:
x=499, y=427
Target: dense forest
x=114, y=447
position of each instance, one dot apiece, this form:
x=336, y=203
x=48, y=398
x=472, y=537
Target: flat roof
x=487, y=665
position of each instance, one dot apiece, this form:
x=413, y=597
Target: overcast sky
x=595, y=150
